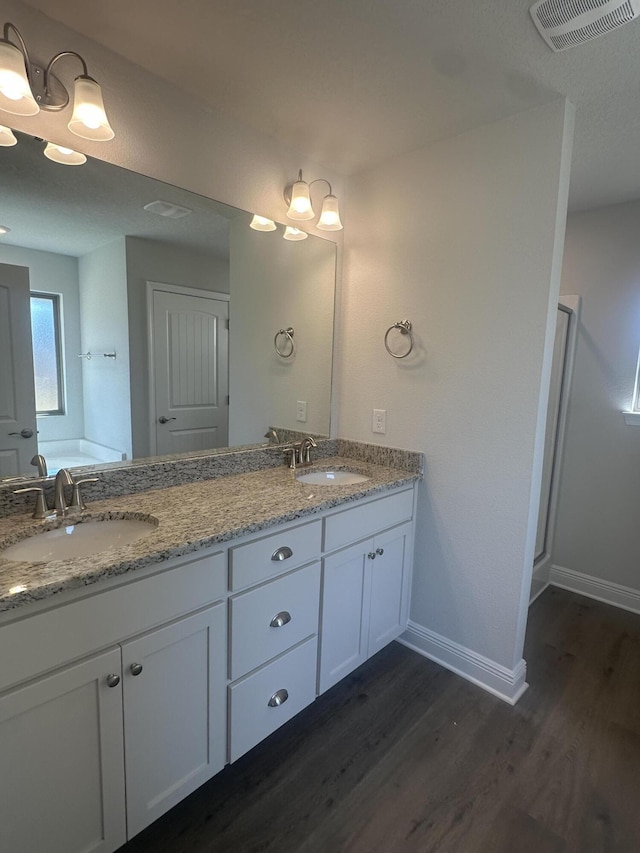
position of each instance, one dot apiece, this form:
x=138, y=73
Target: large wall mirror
x=138, y=319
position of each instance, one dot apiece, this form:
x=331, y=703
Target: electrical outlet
x=379, y=421
x=301, y=411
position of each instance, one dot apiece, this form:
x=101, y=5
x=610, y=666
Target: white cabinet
x=365, y=600
x=113, y=706
x=174, y=713
x=62, y=779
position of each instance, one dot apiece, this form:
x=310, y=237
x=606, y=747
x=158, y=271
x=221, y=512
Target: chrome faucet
x=41, y=464
x=272, y=435
x=63, y=478
x=304, y=450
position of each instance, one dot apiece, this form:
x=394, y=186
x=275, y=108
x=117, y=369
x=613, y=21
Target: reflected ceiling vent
x=165, y=208
x=568, y=23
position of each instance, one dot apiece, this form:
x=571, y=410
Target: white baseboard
x=507, y=684
x=610, y=593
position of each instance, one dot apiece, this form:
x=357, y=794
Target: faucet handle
x=76, y=497
x=41, y=509
x=291, y=455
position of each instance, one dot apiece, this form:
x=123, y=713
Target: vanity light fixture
x=298, y=197
x=291, y=233
x=261, y=223
x=26, y=88
x=7, y=137
x=66, y=156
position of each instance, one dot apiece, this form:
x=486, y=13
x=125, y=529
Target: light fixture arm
x=22, y=47
x=320, y=180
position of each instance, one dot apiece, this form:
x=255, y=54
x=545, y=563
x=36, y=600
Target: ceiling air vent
x=568, y=23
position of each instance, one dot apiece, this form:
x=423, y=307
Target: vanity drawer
x=263, y=558
x=54, y=637
x=257, y=634
x=365, y=520
x=289, y=679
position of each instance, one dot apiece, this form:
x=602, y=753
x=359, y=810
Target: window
x=47, y=361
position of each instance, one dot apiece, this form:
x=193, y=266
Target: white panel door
x=62, y=778
x=344, y=608
x=174, y=713
x=190, y=368
x=18, y=442
x=388, y=576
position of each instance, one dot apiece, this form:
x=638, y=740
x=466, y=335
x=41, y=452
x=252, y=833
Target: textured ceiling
x=353, y=82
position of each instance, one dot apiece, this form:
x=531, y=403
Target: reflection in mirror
x=130, y=329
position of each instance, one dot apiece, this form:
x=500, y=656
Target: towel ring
x=288, y=334
x=404, y=327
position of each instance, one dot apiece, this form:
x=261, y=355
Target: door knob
x=24, y=433
x=163, y=420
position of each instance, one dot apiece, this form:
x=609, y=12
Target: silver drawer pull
x=282, y=553
x=113, y=680
x=278, y=698
x=371, y=555
x=135, y=668
x=380, y=551
x=280, y=619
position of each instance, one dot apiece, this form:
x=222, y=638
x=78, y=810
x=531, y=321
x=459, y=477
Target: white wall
x=275, y=284
x=103, y=312
x=152, y=260
x=599, y=499
x=53, y=273
x=464, y=239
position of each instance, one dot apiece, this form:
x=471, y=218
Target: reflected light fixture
x=26, y=88
x=261, y=223
x=4, y=229
x=298, y=196
x=7, y=137
x=291, y=233
x=66, y=156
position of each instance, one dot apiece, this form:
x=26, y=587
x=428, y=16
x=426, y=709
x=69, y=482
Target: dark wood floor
x=405, y=756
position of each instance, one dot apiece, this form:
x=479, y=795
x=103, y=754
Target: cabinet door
x=389, y=580
x=343, y=642
x=62, y=782
x=174, y=712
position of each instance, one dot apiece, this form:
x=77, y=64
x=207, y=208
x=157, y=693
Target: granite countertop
x=189, y=517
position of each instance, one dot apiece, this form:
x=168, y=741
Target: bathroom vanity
x=129, y=678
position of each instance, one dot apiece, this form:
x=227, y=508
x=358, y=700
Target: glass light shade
x=261, y=223
x=6, y=137
x=67, y=156
x=89, y=120
x=330, y=215
x=291, y=233
x=300, y=205
x=15, y=92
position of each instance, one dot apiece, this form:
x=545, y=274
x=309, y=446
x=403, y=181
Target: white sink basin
x=331, y=478
x=78, y=540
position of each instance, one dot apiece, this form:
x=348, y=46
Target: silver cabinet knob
x=280, y=619
x=380, y=551
x=135, y=668
x=282, y=554
x=163, y=420
x=371, y=555
x=278, y=698
x=113, y=680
